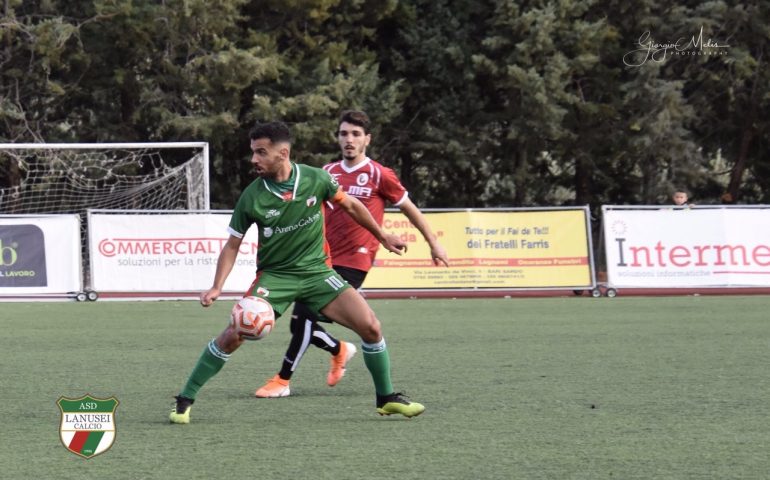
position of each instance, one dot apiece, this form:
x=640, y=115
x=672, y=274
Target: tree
x=542, y=59
x=434, y=140
x=475, y=102
x=118, y=70
x=730, y=89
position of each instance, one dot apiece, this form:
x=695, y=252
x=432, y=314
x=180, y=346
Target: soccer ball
x=253, y=318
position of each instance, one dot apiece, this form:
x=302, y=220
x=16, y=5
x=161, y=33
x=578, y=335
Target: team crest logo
x=362, y=179
x=87, y=424
x=311, y=201
x=267, y=232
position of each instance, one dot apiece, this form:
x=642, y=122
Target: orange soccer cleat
x=338, y=363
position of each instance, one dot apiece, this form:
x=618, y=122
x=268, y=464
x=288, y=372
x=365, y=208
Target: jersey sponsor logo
x=362, y=179
x=87, y=425
x=357, y=191
x=267, y=232
x=311, y=201
x=300, y=224
x=272, y=213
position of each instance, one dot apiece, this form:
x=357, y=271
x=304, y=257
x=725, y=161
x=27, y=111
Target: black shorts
x=353, y=276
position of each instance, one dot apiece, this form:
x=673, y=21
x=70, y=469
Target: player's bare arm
x=225, y=264
x=437, y=252
x=364, y=217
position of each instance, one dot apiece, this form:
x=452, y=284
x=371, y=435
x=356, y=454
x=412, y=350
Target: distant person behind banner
x=681, y=199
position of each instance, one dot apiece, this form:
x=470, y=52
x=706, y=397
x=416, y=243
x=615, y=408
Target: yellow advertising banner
x=489, y=249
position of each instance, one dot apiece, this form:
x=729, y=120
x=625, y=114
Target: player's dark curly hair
x=355, y=117
x=276, y=132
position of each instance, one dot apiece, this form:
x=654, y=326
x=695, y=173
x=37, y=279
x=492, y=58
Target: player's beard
x=351, y=154
x=263, y=172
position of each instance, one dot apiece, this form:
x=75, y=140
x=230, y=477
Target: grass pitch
x=542, y=388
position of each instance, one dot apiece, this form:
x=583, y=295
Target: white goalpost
x=71, y=178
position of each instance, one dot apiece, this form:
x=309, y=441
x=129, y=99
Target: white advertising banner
x=40, y=255
x=165, y=252
x=680, y=248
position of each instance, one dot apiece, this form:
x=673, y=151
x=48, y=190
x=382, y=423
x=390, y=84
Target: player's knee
x=371, y=331
x=229, y=340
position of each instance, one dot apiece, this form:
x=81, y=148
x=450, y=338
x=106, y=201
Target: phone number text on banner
x=489, y=249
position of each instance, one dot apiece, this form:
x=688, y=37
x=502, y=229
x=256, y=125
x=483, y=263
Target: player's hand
x=438, y=254
x=208, y=297
x=393, y=243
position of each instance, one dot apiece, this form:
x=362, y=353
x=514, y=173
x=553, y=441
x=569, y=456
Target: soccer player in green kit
x=285, y=203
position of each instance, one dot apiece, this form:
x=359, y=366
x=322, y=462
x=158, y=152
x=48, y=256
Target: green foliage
x=475, y=102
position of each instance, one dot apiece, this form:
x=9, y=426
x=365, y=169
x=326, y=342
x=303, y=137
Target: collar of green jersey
x=279, y=189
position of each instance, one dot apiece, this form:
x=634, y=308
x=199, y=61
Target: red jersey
x=373, y=184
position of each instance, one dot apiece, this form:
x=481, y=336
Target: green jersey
x=291, y=224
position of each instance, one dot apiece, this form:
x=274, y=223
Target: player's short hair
x=355, y=117
x=276, y=132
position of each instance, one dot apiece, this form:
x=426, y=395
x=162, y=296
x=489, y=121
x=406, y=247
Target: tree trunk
x=406, y=170
x=520, y=176
x=582, y=180
x=736, y=174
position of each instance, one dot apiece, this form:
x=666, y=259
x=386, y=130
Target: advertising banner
x=490, y=249
x=39, y=254
x=678, y=248
x=165, y=252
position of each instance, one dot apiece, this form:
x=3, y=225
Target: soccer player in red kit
x=353, y=248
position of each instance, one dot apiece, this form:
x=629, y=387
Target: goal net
x=72, y=178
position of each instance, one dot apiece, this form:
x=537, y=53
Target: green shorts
x=316, y=290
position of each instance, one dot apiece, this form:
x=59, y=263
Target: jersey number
x=335, y=282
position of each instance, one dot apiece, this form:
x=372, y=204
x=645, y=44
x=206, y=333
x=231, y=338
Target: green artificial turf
x=539, y=388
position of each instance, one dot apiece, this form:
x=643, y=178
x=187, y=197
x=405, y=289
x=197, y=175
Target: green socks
x=209, y=364
x=213, y=359
x=377, y=361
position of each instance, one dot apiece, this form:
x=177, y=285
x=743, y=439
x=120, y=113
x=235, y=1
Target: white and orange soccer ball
x=253, y=318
